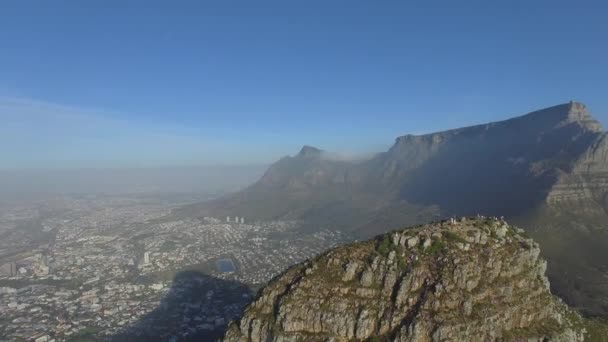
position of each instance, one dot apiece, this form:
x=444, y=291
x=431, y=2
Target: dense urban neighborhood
x=124, y=268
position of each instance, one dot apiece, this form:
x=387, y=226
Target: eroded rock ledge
x=471, y=279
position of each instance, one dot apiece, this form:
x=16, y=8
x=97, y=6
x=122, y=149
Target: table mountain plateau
x=546, y=171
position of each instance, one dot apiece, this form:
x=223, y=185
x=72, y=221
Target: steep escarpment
x=547, y=155
x=459, y=280
x=586, y=185
x=520, y=159
x=546, y=170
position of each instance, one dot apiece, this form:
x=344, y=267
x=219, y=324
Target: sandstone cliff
x=462, y=280
x=546, y=170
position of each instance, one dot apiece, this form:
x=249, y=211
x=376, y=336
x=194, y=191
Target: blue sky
x=109, y=84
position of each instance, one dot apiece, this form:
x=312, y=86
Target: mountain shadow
x=198, y=307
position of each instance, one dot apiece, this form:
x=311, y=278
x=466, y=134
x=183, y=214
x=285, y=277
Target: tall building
x=227, y=218
x=42, y=260
x=42, y=270
x=236, y=219
x=6, y=269
x=242, y=220
x=146, y=258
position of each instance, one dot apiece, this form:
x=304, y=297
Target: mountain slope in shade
x=546, y=170
x=465, y=280
x=459, y=171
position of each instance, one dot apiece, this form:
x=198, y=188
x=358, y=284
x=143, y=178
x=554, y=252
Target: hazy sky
x=100, y=83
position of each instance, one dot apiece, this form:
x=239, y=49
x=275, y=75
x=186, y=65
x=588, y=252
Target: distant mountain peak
x=546, y=118
x=574, y=104
x=577, y=112
x=309, y=151
x=566, y=113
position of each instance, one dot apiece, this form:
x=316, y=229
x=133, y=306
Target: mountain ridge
x=569, y=112
x=382, y=176
x=546, y=170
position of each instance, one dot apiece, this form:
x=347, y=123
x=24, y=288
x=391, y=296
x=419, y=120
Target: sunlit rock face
x=471, y=279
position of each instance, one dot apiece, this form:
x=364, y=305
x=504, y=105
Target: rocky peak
x=457, y=280
x=577, y=113
x=309, y=152
x=564, y=114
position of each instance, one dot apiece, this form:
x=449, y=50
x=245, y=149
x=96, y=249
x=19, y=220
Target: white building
x=157, y=286
x=43, y=338
x=146, y=258
x=42, y=270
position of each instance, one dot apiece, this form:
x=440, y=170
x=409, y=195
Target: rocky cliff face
x=588, y=179
x=554, y=154
x=463, y=280
x=546, y=170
